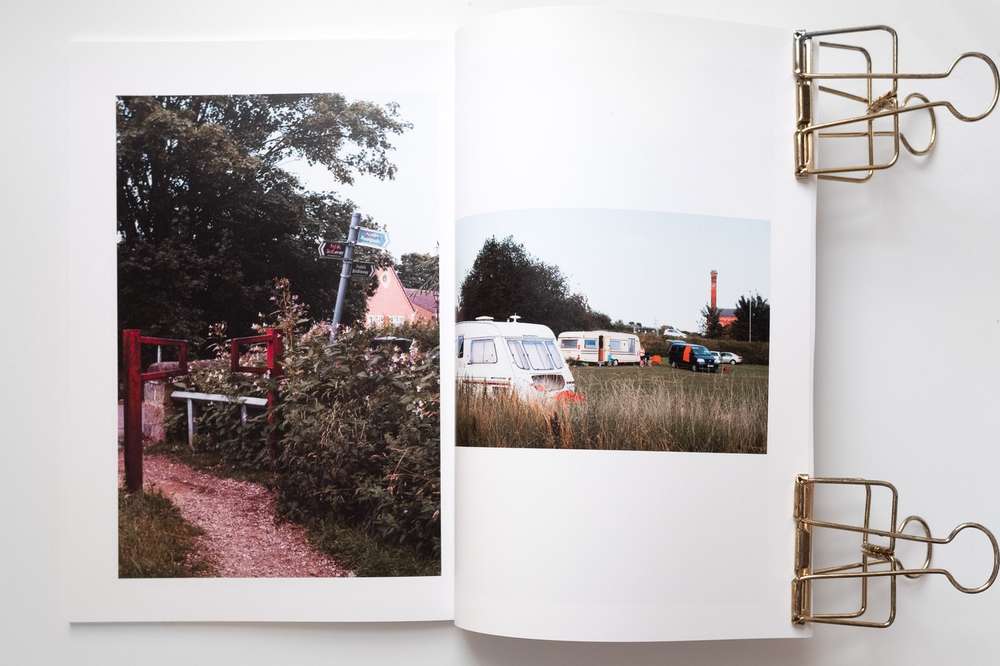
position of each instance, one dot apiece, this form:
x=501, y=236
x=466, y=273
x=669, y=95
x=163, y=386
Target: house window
x=398, y=320
x=482, y=351
x=375, y=320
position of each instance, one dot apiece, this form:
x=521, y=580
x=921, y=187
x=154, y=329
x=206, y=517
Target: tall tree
x=505, y=280
x=711, y=327
x=417, y=270
x=753, y=319
x=207, y=216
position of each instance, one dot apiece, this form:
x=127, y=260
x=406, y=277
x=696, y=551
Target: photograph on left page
x=256, y=438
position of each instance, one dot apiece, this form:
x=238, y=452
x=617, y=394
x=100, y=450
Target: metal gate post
x=132, y=362
x=274, y=352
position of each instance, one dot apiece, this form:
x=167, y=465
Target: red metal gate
x=135, y=378
x=132, y=342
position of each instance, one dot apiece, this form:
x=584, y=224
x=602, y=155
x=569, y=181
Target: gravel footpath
x=243, y=538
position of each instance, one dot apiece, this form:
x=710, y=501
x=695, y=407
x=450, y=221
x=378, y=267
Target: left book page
x=222, y=460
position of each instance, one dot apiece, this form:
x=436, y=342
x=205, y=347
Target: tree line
x=752, y=323
x=506, y=279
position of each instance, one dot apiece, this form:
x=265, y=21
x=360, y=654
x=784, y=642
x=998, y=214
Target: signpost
x=373, y=238
x=332, y=249
x=344, y=251
x=362, y=269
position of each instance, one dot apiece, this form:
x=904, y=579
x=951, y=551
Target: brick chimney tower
x=715, y=284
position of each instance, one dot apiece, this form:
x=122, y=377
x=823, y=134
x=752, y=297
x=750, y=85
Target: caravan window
x=554, y=354
x=482, y=351
x=590, y=344
x=617, y=344
x=568, y=343
x=517, y=353
x=538, y=355
x=461, y=345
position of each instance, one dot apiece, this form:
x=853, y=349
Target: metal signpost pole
x=345, y=273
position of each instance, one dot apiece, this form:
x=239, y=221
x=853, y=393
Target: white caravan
x=510, y=356
x=600, y=347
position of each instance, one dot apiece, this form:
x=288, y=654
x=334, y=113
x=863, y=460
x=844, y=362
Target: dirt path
x=242, y=538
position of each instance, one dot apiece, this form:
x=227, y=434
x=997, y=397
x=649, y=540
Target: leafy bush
x=359, y=437
x=356, y=433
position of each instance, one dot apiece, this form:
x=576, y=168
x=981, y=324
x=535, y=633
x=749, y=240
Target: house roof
x=425, y=299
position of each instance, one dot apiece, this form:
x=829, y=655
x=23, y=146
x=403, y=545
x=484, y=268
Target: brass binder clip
x=883, y=105
x=877, y=560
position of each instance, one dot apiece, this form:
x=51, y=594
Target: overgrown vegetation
x=356, y=435
x=154, y=540
x=645, y=409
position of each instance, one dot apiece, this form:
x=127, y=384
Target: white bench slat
x=218, y=397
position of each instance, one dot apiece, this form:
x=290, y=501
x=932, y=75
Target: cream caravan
x=510, y=355
x=600, y=347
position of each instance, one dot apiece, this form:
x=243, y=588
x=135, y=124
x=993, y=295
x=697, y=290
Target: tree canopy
x=506, y=279
x=207, y=217
x=753, y=319
x=417, y=270
x=711, y=326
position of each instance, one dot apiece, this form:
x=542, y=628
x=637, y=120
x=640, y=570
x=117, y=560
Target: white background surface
x=906, y=265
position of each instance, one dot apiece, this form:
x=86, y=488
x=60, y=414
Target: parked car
x=730, y=358
x=672, y=332
x=601, y=347
x=696, y=358
x=513, y=356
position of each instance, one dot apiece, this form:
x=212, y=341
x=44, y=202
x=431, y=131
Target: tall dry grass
x=719, y=414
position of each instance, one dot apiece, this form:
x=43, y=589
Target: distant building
x=726, y=315
x=396, y=305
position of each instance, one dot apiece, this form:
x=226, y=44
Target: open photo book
x=513, y=329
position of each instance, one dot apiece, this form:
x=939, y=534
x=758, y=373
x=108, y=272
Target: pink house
x=392, y=304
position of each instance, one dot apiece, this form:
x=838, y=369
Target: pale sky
x=635, y=265
x=413, y=204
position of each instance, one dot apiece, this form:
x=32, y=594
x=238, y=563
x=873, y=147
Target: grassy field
x=629, y=408
x=154, y=541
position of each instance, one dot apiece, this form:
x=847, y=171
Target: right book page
x=634, y=347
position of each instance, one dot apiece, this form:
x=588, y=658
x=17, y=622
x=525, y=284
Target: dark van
x=692, y=357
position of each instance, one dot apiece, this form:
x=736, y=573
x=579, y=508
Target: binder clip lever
x=877, y=560
x=887, y=105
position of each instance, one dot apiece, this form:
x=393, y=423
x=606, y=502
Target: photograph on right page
x=612, y=330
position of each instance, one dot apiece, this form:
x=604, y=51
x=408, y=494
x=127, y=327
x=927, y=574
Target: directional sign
x=362, y=269
x=373, y=238
x=332, y=249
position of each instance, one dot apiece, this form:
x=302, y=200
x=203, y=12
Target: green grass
x=154, y=541
x=629, y=408
x=367, y=556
